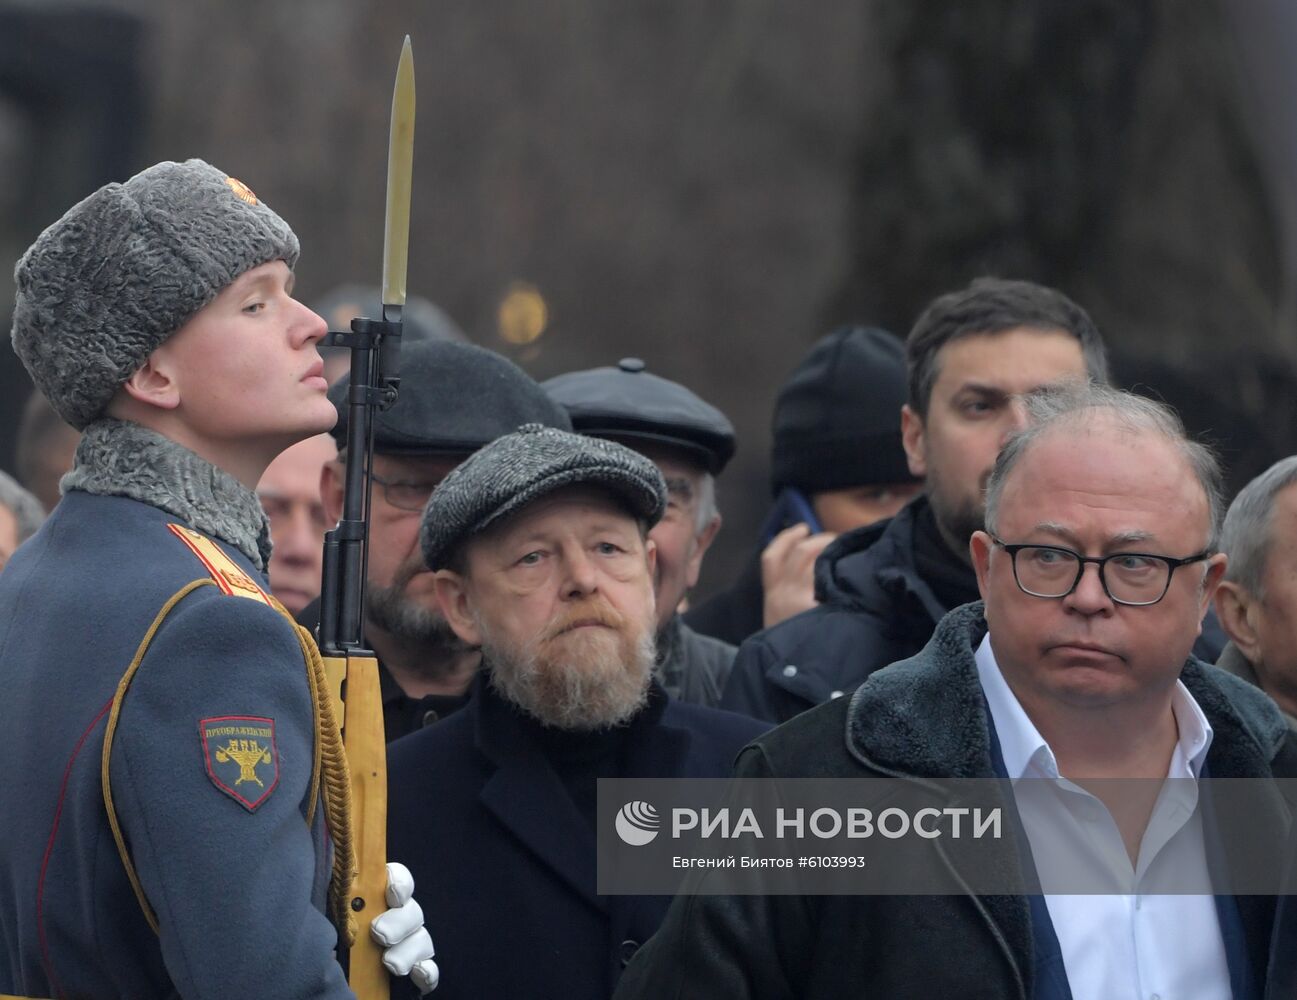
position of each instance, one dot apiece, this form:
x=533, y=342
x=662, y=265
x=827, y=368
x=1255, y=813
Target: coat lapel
x=926, y=718
x=528, y=798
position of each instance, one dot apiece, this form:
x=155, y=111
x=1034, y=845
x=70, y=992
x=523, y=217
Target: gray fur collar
x=926, y=716
x=121, y=459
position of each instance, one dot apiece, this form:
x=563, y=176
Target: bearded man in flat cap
x=542, y=557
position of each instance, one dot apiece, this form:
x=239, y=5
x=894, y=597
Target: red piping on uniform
x=49, y=849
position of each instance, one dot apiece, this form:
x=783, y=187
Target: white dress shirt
x=1131, y=944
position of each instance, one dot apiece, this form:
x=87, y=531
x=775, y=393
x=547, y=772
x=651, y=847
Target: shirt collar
x=1025, y=752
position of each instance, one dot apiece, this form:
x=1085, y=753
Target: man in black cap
x=542, y=558
x=690, y=441
x=454, y=398
x=837, y=464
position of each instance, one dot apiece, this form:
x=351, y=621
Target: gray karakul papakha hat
x=516, y=469
x=125, y=268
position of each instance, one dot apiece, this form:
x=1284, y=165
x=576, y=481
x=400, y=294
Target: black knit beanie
x=837, y=420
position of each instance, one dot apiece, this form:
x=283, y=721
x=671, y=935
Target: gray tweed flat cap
x=533, y=461
x=125, y=268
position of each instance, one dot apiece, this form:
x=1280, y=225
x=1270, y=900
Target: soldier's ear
x=154, y=384
x=455, y=601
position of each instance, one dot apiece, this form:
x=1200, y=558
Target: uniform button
x=790, y=671
x=430, y=716
x=628, y=949
x=631, y=365
x=834, y=694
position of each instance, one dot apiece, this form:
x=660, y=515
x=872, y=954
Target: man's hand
x=788, y=572
x=407, y=947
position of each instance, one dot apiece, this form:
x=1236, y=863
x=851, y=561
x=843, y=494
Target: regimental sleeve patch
x=241, y=756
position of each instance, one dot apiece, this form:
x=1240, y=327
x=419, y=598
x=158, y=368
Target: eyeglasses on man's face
x=1133, y=578
x=405, y=495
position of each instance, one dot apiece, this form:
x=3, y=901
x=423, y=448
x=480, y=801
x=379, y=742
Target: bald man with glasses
x=1096, y=567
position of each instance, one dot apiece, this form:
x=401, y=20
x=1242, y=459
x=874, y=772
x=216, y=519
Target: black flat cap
x=514, y=470
x=454, y=398
x=627, y=402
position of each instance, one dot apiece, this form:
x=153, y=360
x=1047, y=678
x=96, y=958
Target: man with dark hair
x=836, y=464
x=541, y=555
x=454, y=398
x=971, y=356
x=690, y=441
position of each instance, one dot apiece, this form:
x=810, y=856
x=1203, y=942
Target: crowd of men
x=980, y=561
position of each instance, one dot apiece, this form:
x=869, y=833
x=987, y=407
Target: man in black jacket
x=971, y=356
x=1097, y=566
x=836, y=463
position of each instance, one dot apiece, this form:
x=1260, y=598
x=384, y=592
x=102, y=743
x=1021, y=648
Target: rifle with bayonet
x=351, y=669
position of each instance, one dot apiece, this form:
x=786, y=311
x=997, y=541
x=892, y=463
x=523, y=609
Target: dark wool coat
x=923, y=718
x=503, y=861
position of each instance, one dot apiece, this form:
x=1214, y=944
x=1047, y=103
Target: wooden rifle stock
x=367, y=762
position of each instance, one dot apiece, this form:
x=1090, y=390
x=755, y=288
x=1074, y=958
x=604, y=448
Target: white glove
x=407, y=947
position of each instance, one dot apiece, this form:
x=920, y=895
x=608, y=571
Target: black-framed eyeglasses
x=405, y=495
x=1133, y=578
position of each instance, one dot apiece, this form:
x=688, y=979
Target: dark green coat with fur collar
x=922, y=718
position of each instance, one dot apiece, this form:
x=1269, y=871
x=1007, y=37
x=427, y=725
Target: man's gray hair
x=26, y=509
x=1245, y=537
x=705, y=509
x=1074, y=402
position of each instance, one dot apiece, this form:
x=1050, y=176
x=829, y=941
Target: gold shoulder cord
x=111, y=730
x=331, y=759
x=330, y=762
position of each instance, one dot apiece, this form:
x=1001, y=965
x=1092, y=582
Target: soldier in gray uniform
x=174, y=823
x=690, y=441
